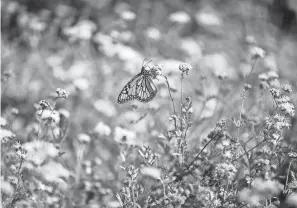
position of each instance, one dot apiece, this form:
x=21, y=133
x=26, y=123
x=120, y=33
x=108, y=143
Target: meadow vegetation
x=221, y=131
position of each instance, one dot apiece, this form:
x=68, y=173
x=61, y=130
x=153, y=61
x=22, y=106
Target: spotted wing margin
x=129, y=92
x=147, y=90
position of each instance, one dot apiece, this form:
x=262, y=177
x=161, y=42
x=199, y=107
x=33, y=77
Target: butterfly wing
x=146, y=90
x=129, y=92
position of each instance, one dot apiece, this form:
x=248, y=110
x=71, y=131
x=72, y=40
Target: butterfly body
x=140, y=87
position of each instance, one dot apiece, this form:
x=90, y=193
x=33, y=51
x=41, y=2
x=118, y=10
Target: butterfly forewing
x=141, y=87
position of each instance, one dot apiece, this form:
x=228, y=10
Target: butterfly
x=140, y=87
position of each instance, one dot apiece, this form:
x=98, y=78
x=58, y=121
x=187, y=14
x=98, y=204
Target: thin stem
x=196, y=157
x=249, y=150
x=172, y=100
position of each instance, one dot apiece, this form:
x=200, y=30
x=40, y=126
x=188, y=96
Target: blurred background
x=92, y=48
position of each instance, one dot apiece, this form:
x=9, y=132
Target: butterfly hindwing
x=147, y=90
x=141, y=87
x=129, y=92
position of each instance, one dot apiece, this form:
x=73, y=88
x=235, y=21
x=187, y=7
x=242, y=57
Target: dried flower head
x=247, y=87
x=185, y=68
x=44, y=104
x=155, y=71
x=62, y=93
x=287, y=88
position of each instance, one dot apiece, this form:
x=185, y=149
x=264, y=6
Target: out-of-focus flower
x=287, y=88
x=54, y=172
x=124, y=136
x=84, y=138
x=81, y=83
x=192, y=48
x=208, y=18
x=83, y=30
x=36, y=24
x=179, y=17
x=128, y=15
x=105, y=107
x=250, y=40
x=6, y=188
x=153, y=33
x=39, y=151
x=185, y=68
x=14, y=111
x=64, y=113
x=50, y=115
x=62, y=93
x=151, y=171
x=6, y=135
x=257, y=52
x=102, y=129
x=292, y=199
x=3, y=121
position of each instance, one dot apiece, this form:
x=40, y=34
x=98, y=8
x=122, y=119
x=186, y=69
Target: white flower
x=6, y=134
x=102, y=129
x=257, y=52
x=128, y=15
x=82, y=30
x=39, y=151
x=124, y=136
x=81, y=83
x=153, y=33
x=84, y=138
x=3, y=121
x=208, y=19
x=106, y=107
x=179, y=17
x=288, y=108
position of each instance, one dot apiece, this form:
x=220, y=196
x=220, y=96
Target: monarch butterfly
x=140, y=87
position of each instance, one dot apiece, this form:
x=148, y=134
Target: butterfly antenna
x=146, y=63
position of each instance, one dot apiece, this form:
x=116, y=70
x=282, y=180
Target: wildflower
x=51, y=115
x=128, y=15
x=222, y=124
x=247, y=87
x=263, y=77
x=288, y=108
x=153, y=33
x=122, y=135
x=39, y=151
x=287, y=88
x=84, y=138
x=61, y=93
x=179, y=17
x=3, y=121
x=6, y=135
x=217, y=202
x=102, y=129
x=272, y=75
x=14, y=111
x=105, y=107
x=275, y=92
x=257, y=52
x=44, y=104
x=64, y=112
x=81, y=83
x=155, y=71
x=250, y=40
x=185, y=68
